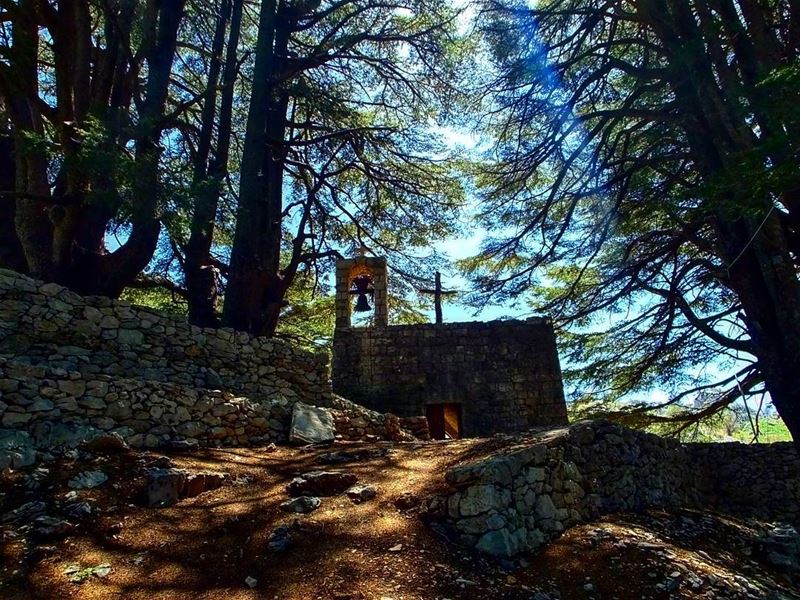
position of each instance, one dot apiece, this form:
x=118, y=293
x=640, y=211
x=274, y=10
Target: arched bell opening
x=361, y=292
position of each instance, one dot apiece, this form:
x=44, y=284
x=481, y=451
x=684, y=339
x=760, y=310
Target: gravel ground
x=229, y=542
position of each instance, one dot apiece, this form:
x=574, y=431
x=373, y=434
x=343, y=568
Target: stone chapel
x=470, y=379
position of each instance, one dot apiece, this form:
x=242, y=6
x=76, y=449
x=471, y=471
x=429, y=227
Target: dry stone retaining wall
x=517, y=500
x=46, y=324
x=71, y=366
x=151, y=414
x=354, y=422
x=145, y=413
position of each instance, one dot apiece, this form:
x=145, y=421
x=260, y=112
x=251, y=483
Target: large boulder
x=311, y=425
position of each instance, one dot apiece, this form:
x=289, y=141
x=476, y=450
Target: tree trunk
x=255, y=286
x=11, y=255
x=756, y=254
x=765, y=281
x=60, y=230
x=201, y=280
x=31, y=218
x=113, y=272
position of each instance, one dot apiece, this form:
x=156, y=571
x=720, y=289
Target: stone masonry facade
x=504, y=374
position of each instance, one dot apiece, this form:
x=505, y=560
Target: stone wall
x=527, y=494
x=144, y=413
x=354, y=422
x=46, y=324
x=505, y=374
x=153, y=414
x=72, y=366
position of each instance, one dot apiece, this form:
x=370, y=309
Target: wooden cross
x=438, y=292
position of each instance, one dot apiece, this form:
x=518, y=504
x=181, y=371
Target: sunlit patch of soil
x=212, y=545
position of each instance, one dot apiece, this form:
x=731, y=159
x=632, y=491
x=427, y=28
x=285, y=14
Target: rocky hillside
x=346, y=522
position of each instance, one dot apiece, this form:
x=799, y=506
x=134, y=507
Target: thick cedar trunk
x=756, y=253
x=31, y=216
x=11, y=255
x=765, y=280
x=255, y=285
x=122, y=266
x=201, y=280
x=62, y=234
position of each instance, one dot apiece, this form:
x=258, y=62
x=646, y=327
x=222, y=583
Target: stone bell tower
x=468, y=379
x=362, y=270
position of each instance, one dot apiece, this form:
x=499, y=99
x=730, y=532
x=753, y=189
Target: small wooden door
x=444, y=420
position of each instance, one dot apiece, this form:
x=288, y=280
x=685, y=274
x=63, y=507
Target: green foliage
x=604, y=207
x=156, y=298
x=310, y=315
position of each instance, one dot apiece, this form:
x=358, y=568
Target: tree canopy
x=642, y=186
x=228, y=148
x=643, y=189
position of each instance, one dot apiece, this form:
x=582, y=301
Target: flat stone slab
x=311, y=425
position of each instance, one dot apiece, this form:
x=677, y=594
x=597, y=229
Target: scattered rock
x=165, y=486
x=107, y=443
x=280, y=539
x=25, y=512
x=46, y=526
x=87, y=480
x=361, y=493
x=406, y=501
x=139, y=558
x=79, y=510
x=16, y=449
x=197, y=483
x=301, y=504
x=346, y=456
x=321, y=483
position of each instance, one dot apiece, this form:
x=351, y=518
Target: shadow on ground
x=212, y=545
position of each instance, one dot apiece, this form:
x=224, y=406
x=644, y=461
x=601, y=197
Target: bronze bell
x=363, y=287
x=362, y=304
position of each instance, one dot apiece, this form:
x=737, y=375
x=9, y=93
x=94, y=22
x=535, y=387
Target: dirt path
x=212, y=545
